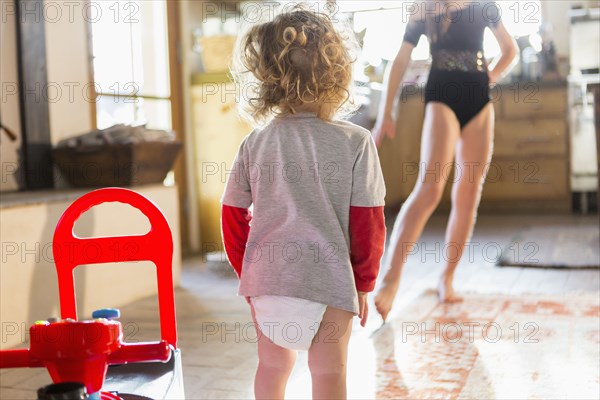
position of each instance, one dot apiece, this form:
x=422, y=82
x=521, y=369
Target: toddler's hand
x=363, y=308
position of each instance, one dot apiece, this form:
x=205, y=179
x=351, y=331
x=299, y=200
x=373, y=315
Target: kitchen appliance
x=585, y=64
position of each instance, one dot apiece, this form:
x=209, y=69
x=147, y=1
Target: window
x=131, y=63
x=521, y=18
x=385, y=23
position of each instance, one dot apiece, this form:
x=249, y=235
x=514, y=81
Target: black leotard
x=459, y=72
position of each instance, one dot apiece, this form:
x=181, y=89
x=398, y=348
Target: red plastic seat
x=71, y=251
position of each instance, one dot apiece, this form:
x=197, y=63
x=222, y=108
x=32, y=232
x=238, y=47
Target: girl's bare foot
x=446, y=292
x=385, y=297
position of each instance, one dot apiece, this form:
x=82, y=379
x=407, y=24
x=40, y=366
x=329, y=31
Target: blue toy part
x=107, y=313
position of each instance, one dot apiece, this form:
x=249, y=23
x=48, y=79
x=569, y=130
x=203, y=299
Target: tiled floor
x=216, y=336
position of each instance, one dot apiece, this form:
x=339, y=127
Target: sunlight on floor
x=361, y=370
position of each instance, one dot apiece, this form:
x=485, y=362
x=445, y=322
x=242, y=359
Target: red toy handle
x=140, y=352
x=71, y=251
x=18, y=358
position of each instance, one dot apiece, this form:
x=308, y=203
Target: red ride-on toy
x=92, y=352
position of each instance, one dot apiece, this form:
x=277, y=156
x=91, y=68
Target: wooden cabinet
x=530, y=137
x=530, y=165
x=536, y=179
x=531, y=100
x=400, y=157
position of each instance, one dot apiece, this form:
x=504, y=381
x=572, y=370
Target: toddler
x=309, y=251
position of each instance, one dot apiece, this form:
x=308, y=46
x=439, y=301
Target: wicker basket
x=115, y=164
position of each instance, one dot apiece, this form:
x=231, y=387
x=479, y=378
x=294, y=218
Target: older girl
x=458, y=126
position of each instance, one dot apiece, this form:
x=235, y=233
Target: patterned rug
x=492, y=347
x=544, y=247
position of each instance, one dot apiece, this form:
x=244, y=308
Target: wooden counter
x=530, y=166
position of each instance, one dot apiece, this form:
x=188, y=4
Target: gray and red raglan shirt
x=316, y=229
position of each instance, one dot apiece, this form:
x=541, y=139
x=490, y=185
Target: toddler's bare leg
x=275, y=365
x=441, y=132
x=328, y=355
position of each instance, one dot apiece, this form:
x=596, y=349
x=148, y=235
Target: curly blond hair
x=296, y=60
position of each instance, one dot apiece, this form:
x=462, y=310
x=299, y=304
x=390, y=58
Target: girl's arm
x=367, y=241
x=509, y=53
x=385, y=125
x=366, y=221
x=235, y=214
x=235, y=227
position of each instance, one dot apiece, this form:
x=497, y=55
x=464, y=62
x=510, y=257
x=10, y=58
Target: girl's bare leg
x=441, y=132
x=328, y=354
x=473, y=155
x=275, y=365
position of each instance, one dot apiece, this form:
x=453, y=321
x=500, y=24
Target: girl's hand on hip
x=492, y=77
x=363, y=308
x=384, y=126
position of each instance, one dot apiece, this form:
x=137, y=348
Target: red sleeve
x=235, y=226
x=367, y=241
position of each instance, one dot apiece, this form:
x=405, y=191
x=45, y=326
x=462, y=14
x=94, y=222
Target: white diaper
x=288, y=322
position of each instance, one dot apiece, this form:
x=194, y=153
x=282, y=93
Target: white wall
x=68, y=66
x=28, y=287
x=70, y=109
x=9, y=101
x=556, y=12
